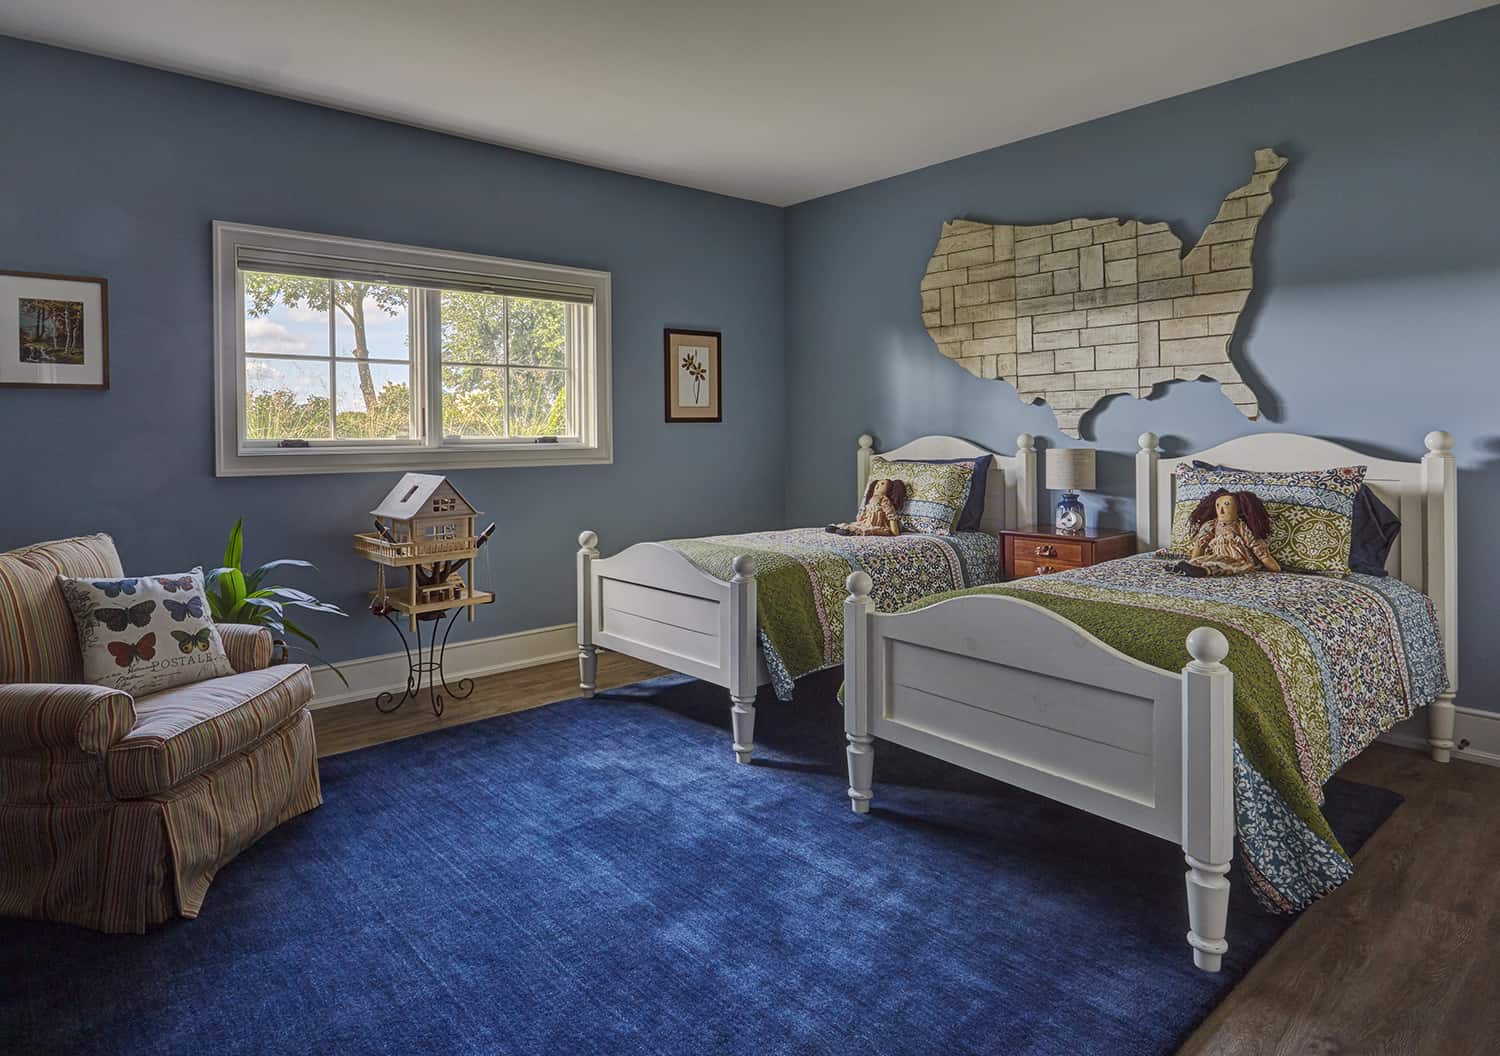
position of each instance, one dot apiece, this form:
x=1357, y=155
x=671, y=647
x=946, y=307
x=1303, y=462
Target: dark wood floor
x=1405, y=958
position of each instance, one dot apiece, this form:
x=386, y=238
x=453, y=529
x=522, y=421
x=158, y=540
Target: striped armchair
x=116, y=813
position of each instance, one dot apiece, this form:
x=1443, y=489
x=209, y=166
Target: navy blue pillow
x=969, y=516
x=1375, y=529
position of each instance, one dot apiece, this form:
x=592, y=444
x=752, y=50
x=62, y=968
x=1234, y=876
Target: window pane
x=382, y=387
x=537, y=332
x=371, y=321
x=286, y=399
x=474, y=402
x=473, y=327
x=538, y=403
x=285, y=315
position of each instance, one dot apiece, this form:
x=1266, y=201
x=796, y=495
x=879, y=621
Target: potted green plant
x=236, y=596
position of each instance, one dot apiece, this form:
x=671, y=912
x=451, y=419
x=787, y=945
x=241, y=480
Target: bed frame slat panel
x=663, y=637
x=1046, y=701
x=662, y=606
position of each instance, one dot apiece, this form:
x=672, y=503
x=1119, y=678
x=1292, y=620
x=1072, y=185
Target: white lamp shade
x=1070, y=468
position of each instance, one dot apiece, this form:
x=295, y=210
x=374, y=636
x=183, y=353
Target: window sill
x=283, y=462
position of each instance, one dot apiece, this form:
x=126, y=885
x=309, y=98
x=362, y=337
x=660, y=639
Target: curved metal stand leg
x=466, y=685
x=383, y=702
x=428, y=664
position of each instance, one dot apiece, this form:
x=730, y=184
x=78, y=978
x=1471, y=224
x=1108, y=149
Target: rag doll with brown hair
x=1228, y=531
x=878, y=515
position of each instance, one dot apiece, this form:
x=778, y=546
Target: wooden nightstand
x=1038, y=550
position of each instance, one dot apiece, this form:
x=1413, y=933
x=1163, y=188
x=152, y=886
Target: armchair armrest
x=249, y=647
x=46, y=715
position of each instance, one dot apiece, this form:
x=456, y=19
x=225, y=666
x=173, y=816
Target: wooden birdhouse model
x=424, y=514
x=426, y=527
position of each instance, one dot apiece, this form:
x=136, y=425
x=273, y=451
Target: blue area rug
x=600, y=877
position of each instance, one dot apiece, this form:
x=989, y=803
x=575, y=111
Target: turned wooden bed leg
x=1207, y=793
x=857, y=608
x=742, y=679
x=742, y=715
x=1440, y=717
x=588, y=654
x=861, y=752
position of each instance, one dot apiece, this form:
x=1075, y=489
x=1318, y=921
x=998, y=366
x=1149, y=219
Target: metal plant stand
x=430, y=667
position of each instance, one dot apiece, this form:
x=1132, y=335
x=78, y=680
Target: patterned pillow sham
x=935, y=492
x=1312, y=511
x=144, y=634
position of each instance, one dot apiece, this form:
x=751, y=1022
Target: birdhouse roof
x=409, y=498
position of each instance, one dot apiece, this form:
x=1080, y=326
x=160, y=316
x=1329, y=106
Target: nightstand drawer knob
x=1042, y=570
x=1045, y=550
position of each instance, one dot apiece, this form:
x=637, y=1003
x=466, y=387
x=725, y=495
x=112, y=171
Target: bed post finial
x=861, y=751
x=1207, y=792
x=588, y=655
x=1440, y=495
x=1146, y=527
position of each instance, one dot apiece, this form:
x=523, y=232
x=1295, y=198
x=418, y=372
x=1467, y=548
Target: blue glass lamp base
x=1069, y=518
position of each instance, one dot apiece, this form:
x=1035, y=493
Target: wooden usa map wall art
x=1072, y=312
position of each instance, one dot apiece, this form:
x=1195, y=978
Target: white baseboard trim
x=371, y=675
x=1480, y=728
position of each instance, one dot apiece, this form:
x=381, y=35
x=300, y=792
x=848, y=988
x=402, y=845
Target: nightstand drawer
x=1051, y=551
x=1022, y=567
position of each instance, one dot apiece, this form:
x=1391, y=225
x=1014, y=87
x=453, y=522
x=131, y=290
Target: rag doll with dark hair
x=878, y=514
x=1228, y=531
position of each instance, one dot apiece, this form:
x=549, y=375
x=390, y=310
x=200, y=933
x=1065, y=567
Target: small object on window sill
x=293, y=443
x=544, y=440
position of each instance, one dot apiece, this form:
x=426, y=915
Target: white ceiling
x=773, y=100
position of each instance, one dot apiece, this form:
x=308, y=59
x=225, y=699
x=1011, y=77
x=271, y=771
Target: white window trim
x=235, y=457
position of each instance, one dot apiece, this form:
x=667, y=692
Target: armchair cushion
x=249, y=648
x=187, y=729
x=38, y=642
x=81, y=717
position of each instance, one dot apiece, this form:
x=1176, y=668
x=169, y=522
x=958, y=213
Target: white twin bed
x=652, y=603
x=1013, y=690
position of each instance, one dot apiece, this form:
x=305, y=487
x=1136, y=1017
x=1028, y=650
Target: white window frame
x=588, y=351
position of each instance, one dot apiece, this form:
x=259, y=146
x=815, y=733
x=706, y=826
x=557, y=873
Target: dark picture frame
x=693, y=375
x=54, y=341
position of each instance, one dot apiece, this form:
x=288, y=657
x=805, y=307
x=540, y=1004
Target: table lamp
x=1070, y=470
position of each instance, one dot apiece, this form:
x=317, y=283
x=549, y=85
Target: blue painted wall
x=116, y=170
x=1377, y=316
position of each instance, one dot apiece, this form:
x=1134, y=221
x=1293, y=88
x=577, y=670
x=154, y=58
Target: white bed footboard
x=651, y=603
x=1006, y=688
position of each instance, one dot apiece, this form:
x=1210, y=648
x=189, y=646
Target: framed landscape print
x=54, y=331
x=694, y=381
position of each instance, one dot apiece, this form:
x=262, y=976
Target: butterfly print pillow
x=146, y=633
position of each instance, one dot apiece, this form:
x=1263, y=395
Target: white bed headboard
x=1010, y=494
x=1424, y=495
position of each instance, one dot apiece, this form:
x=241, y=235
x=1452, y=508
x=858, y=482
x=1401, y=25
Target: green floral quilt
x=1322, y=666
x=799, y=578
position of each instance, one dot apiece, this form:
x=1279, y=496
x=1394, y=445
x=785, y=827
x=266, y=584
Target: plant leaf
x=258, y=576
x=236, y=548
x=263, y=603
x=235, y=590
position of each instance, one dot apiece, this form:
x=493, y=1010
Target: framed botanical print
x=54, y=331
x=694, y=381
